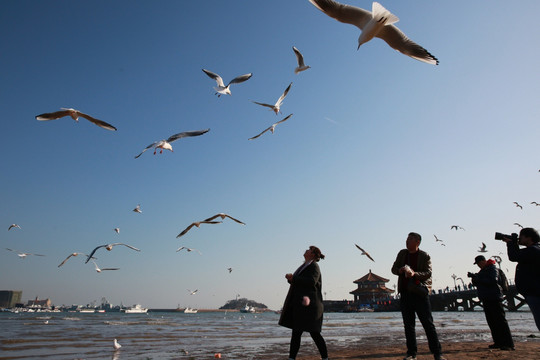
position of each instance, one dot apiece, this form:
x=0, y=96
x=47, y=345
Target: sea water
x=175, y=335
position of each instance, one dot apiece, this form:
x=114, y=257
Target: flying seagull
x=535, y=203
x=364, y=252
x=221, y=89
x=188, y=249
x=109, y=248
x=277, y=106
x=71, y=255
x=456, y=227
x=223, y=216
x=483, y=248
x=300, y=59
x=13, y=226
x=21, y=254
x=117, y=230
x=192, y=292
x=517, y=205
x=271, y=128
x=230, y=270
x=518, y=224
x=138, y=209
x=166, y=144
x=75, y=114
x=99, y=270
x=437, y=239
x=377, y=23
x=197, y=224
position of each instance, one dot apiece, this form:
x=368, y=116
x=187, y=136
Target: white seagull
x=300, y=59
x=223, y=216
x=456, y=227
x=109, y=248
x=193, y=292
x=99, y=270
x=377, y=23
x=166, y=144
x=277, y=106
x=13, y=226
x=75, y=114
x=188, y=249
x=138, y=209
x=364, y=252
x=221, y=89
x=21, y=254
x=71, y=255
x=197, y=224
x=117, y=230
x=116, y=345
x=271, y=127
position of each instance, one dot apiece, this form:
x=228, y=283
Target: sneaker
x=409, y=357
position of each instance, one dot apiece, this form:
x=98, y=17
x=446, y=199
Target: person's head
x=413, y=242
x=528, y=236
x=481, y=261
x=313, y=253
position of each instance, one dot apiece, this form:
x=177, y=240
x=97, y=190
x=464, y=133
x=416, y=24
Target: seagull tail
x=379, y=12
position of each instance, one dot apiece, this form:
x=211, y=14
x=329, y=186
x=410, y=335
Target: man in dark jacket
x=413, y=266
x=528, y=267
x=491, y=296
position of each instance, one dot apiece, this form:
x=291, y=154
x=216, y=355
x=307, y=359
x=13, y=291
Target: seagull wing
x=215, y=76
x=263, y=104
x=343, y=13
x=148, y=147
x=63, y=262
x=282, y=97
x=185, y=230
x=369, y=256
x=100, y=123
x=299, y=57
x=53, y=116
x=92, y=253
x=186, y=134
x=238, y=221
x=265, y=130
x=400, y=42
x=180, y=248
x=240, y=79
x=285, y=119
x=129, y=246
x=110, y=269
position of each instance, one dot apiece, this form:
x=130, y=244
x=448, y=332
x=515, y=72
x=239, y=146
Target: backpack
x=503, y=281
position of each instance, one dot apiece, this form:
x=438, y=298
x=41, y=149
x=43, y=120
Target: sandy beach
x=452, y=350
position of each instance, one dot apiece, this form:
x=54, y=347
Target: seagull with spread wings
x=75, y=114
x=192, y=292
x=99, y=270
x=138, y=209
x=377, y=23
x=109, y=248
x=13, y=226
x=21, y=254
x=197, y=224
x=188, y=249
x=271, y=127
x=456, y=227
x=277, y=106
x=70, y=256
x=364, y=252
x=166, y=144
x=221, y=89
x=223, y=216
x=518, y=205
x=300, y=60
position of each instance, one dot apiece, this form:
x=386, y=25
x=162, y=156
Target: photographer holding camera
x=491, y=296
x=528, y=268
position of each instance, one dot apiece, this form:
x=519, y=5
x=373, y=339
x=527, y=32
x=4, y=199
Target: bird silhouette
x=364, y=252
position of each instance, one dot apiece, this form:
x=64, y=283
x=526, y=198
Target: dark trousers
x=497, y=323
x=317, y=338
x=412, y=305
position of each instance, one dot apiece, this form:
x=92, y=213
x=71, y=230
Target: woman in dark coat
x=303, y=307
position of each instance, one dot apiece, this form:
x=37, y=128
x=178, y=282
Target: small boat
x=248, y=309
x=135, y=309
x=86, y=310
x=189, y=310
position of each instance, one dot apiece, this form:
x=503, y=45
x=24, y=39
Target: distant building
x=41, y=304
x=8, y=298
x=371, y=289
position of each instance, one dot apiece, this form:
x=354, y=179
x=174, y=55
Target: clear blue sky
x=379, y=144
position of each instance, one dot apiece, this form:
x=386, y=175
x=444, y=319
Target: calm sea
x=175, y=335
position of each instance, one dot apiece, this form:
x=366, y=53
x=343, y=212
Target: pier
x=467, y=300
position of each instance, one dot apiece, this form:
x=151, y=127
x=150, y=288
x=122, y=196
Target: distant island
x=242, y=303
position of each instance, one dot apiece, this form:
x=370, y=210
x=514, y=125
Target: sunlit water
x=175, y=335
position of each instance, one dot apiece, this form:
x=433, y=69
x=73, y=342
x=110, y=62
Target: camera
x=470, y=274
x=500, y=236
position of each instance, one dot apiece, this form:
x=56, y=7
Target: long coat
x=296, y=316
